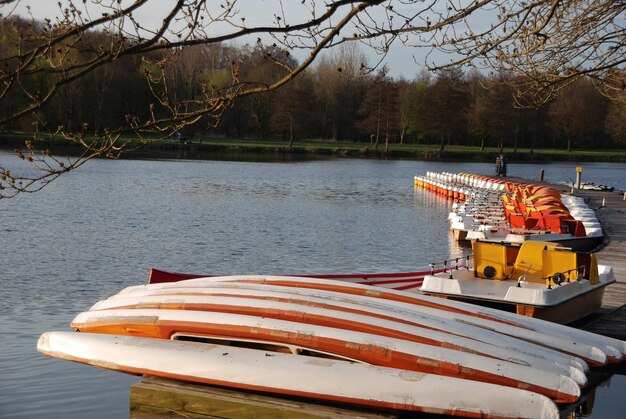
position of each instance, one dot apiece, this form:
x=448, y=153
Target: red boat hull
x=396, y=280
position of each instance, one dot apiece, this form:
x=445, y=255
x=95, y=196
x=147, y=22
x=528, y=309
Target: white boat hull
x=381, y=346
x=323, y=379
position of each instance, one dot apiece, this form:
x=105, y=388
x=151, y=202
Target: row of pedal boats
x=488, y=208
x=367, y=341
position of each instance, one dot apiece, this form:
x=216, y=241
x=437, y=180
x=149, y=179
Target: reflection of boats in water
x=323, y=339
x=599, y=388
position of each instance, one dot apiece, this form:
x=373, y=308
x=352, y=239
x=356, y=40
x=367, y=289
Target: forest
x=336, y=99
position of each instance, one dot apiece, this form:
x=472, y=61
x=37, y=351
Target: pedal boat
x=537, y=279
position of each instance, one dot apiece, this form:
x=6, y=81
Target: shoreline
x=312, y=149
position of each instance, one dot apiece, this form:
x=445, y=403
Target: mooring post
x=579, y=176
x=541, y=176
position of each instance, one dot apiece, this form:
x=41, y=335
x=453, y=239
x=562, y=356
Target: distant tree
x=444, y=110
x=532, y=125
x=259, y=67
x=616, y=121
x=404, y=88
x=478, y=115
x=411, y=102
x=183, y=70
x=578, y=115
x=340, y=82
x=493, y=114
x=379, y=109
x=291, y=117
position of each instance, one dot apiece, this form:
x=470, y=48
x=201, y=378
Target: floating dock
x=156, y=398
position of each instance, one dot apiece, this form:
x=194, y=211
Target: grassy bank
x=206, y=147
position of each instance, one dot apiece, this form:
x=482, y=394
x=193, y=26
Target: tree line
x=336, y=100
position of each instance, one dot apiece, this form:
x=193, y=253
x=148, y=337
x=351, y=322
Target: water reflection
x=433, y=208
x=602, y=398
x=427, y=199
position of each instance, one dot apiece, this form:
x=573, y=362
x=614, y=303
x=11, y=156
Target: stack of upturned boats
x=339, y=341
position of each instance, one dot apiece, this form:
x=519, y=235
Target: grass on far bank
x=349, y=149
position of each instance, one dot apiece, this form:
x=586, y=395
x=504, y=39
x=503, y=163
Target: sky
x=402, y=61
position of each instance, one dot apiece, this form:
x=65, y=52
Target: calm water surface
x=100, y=228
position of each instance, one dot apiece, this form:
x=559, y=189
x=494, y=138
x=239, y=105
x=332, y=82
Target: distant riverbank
x=251, y=149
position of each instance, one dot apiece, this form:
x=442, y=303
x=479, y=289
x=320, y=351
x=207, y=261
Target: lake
x=100, y=228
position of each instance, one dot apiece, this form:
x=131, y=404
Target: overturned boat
x=332, y=380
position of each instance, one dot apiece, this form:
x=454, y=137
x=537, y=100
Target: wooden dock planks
x=156, y=398
x=610, y=209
